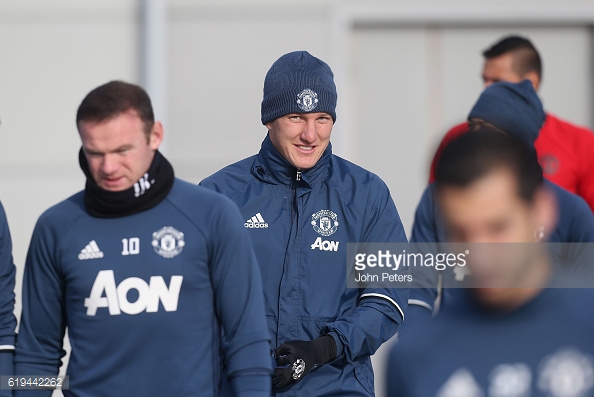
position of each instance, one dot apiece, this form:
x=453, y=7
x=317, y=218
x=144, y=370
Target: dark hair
x=474, y=155
x=114, y=98
x=526, y=57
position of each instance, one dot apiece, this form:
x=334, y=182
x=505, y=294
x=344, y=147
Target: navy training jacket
x=145, y=298
x=543, y=348
x=300, y=224
x=7, y=318
x=575, y=224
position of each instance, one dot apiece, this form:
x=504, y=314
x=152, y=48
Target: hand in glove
x=297, y=358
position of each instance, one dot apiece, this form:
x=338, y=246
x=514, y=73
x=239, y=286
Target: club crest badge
x=325, y=222
x=307, y=100
x=567, y=372
x=168, y=242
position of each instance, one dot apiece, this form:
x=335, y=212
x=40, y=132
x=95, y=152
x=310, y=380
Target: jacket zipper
x=294, y=223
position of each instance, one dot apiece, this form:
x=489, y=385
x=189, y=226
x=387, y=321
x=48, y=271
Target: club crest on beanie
x=298, y=82
x=513, y=108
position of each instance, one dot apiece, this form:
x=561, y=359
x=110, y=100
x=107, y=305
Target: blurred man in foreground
x=516, y=110
x=511, y=336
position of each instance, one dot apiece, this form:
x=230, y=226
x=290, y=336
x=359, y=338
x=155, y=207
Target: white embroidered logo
x=461, y=384
x=256, y=222
x=325, y=222
x=307, y=100
x=566, y=373
x=142, y=185
x=91, y=251
x=511, y=380
x=168, y=242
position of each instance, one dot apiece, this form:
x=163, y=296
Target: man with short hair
x=302, y=205
x=564, y=149
x=154, y=278
x=7, y=318
x=510, y=335
x=514, y=109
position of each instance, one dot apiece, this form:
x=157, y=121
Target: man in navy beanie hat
x=509, y=107
x=302, y=205
x=516, y=110
x=564, y=149
x=284, y=90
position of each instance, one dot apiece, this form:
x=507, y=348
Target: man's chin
x=113, y=187
x=493, y=297
x=305, y=164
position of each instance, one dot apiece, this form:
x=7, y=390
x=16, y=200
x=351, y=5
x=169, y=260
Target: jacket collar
x=270, y=166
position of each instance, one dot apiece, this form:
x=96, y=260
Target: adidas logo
x=91, y=251
x=256, y=222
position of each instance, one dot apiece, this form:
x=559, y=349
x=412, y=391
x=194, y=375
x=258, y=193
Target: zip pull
x=298, y=176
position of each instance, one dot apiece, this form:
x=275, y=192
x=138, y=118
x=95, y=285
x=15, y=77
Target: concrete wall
x=404, y=76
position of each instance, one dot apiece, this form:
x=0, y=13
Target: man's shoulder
x=70, y=208
x=59, y=218
x=188, y=195
x=199, y=204
x=346, y=171
x=228, y=178
x=567, y=200
x=576, y=221
x=555, y=124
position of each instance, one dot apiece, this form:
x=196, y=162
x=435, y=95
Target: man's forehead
x=501, y=68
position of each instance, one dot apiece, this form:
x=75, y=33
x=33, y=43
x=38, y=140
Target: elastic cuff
x=338, y=342
x=252, y=385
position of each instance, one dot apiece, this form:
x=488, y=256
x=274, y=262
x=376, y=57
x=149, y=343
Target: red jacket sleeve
x=448, y=137
x=565, y=152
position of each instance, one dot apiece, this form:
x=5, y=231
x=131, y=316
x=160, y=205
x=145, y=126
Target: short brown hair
x=114, y=98
x=525, y=55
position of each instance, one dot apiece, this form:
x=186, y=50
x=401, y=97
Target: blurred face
x=118, y=150
x=491, y=211
x=500, y=69
x=301, y=138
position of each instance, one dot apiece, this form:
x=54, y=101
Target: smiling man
x=144, y=279
x=303, y=205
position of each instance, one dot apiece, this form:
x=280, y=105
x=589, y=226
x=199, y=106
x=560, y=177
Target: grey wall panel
x=216, y=78
x=389, y=110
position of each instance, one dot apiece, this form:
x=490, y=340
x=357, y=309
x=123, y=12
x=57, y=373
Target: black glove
x=297, y=358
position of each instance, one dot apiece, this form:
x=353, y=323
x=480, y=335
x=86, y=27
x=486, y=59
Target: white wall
x=404, y=75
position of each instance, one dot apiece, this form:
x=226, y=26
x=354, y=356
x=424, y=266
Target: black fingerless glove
x=297, y=358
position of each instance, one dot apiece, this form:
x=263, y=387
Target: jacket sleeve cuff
x=339, y=345
x=252, y=385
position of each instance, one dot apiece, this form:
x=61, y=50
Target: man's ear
x=156, y=136
x=546, y=210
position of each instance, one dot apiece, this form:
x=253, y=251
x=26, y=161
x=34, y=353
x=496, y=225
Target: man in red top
x=565, y=151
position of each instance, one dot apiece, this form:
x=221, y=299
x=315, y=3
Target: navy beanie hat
x=513, y=108
x=298, y=82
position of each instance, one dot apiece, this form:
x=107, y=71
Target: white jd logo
x=149, y=295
